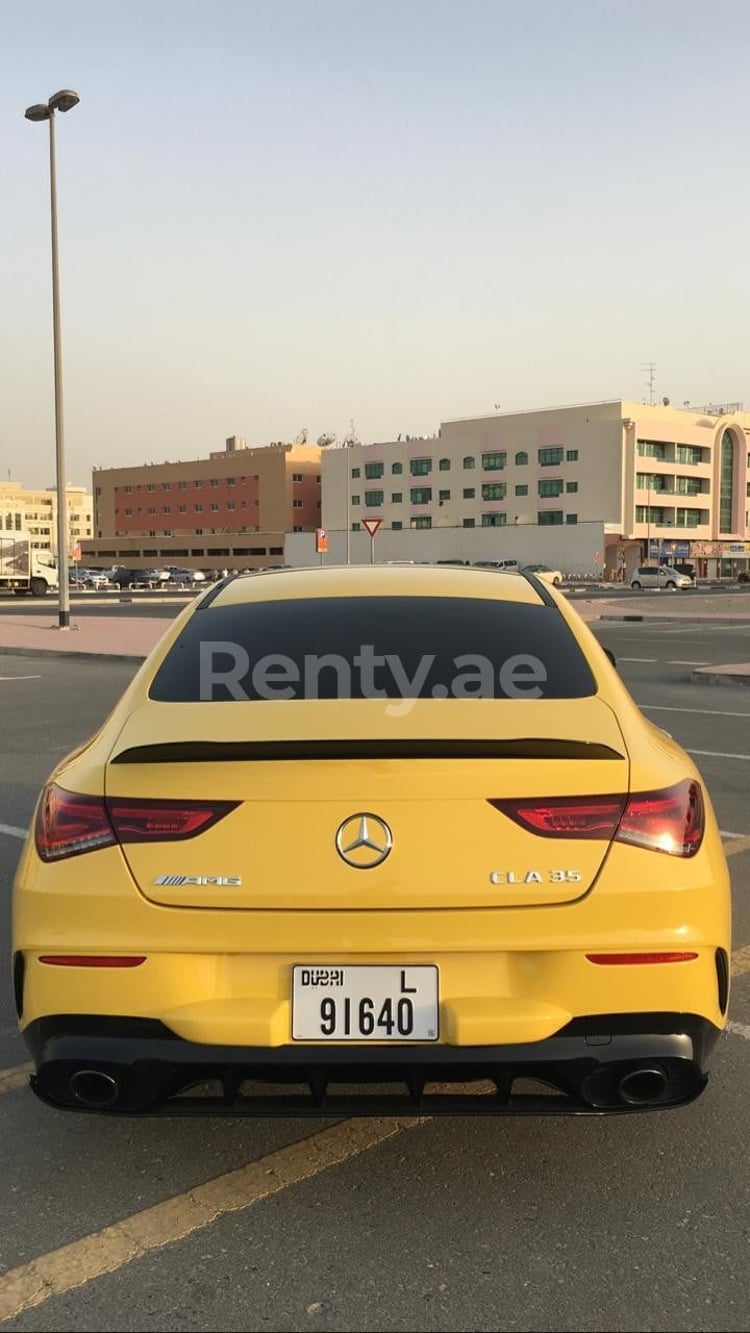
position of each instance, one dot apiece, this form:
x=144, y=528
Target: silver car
x=661, y=576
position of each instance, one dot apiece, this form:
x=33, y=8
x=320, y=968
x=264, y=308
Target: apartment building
x=35, y=512
x=230, y=509
x=663, y=481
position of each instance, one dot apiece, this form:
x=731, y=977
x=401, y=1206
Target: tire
x=38, y=587
x=557, y=582
x=636, y=584
x=671, y=584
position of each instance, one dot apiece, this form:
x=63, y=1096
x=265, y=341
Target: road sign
x=75, y=551
x=371, y=525
x=321, y=541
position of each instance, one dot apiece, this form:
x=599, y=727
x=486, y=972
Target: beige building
x=35, y=512
x=664, y=482
x=230, y=509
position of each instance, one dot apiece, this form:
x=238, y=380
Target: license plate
x=386, y=1004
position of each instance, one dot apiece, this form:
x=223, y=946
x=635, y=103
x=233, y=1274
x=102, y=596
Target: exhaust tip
x=642, y=1087
x=92, y=1087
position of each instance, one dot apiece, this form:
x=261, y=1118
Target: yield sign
x=372, y=525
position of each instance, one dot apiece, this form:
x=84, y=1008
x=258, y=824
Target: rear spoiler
x=225, y=752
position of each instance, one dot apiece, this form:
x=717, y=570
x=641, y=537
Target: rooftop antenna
x=650, y=369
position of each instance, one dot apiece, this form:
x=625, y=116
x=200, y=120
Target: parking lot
x=630, y=1223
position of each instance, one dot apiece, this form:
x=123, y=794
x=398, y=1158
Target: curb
x=73, y=655
x=621, y=618
x=715, y=676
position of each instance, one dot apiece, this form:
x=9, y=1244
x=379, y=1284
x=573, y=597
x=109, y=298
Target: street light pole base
x=64, y=620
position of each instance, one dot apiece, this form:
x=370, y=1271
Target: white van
x=660, y=576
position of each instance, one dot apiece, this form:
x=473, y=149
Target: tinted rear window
x=374, y=647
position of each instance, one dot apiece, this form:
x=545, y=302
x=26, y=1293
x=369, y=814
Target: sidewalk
x=106, y=638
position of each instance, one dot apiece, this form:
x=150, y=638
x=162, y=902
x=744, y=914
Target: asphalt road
x=638, y=1223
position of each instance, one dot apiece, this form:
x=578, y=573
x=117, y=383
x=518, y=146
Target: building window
x=396, y=497
x=128, y=513
x=397, y=525
x=296, y=504
x=183, y=509
x=215, y=507
x=214, y=481
x=494, y=490
x=692, y=518
x=423, y=521
x=571, y=487
x=296, y=476
x=651, y=449
x=550, y=457
x=522, y=458
x=522, y=490
x=689, y=486
x=494, y=462
x=151, y=509
x=550, y=488
x=469, y=492
x=651, y=481
x=571, y=456
x=655, y=515
x=420, y=495
x=493, y=520
x=166, y=509
x=571, y=518
x=197, y=485
x=396, y=469
x=166, y=486
x=355, y=473
x=182, y=485
x=469, y=523
x=374, y=499
x=356, y=527
x=444, y=465
x=726, y=494
x=549, y=518
x=199, y=509
x=150, y=487
x=128, y=490
x=297, y=527
x=231, y=505
x=469, y=462
x=420, y=467
x=692, y=454
x=373, y=471
x=444, y=495
x=355, y=499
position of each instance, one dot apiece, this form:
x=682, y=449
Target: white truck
x=23, y=569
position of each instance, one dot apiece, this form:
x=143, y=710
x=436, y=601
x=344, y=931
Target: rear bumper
x=598, y=1065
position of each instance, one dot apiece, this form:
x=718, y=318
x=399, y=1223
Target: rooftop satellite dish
x=326, y=439
x=665, y=402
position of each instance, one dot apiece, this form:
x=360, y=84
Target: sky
x=288, y=214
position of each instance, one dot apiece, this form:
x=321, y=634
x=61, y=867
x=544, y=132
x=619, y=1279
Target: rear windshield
x=374, y=648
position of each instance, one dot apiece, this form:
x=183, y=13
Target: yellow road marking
x=741, y=961
x=14, y=1078
x=736, y=846
x=73, y=1265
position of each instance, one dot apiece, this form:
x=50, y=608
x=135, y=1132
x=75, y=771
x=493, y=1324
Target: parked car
x=544, y=572
x=660, y=576
x=508, y=565
x=190, y=911
x=177, y=575
x=134, y=578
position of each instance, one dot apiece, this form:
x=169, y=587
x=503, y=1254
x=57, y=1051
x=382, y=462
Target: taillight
x=567, y=817
x=671, y=820
x=666, y=821
x=68, y=823
x=164, y=821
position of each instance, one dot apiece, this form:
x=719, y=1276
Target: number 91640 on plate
x=386, y=1004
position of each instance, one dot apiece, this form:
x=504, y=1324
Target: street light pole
x=62, y=101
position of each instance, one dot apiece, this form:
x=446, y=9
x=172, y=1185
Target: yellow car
x=373, y=840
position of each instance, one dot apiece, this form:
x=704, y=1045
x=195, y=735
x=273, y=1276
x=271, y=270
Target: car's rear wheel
x=671, y=584
x=636, y=584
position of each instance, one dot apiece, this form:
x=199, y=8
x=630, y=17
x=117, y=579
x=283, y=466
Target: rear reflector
x=627, y=959
x=671, y=820
x=68, y=824
x=91, y=960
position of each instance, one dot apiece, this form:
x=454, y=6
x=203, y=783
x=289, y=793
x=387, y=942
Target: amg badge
x=202, y=881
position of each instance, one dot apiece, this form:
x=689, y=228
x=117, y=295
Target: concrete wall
x=572, y=550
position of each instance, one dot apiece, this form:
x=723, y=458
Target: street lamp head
x=65, y=100
x=38, y=112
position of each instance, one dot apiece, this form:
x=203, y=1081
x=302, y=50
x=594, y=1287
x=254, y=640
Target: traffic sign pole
x=371, y=525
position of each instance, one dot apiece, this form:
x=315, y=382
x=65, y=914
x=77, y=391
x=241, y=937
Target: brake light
x=68, y=823
x=164, y=821
x=671, y=820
